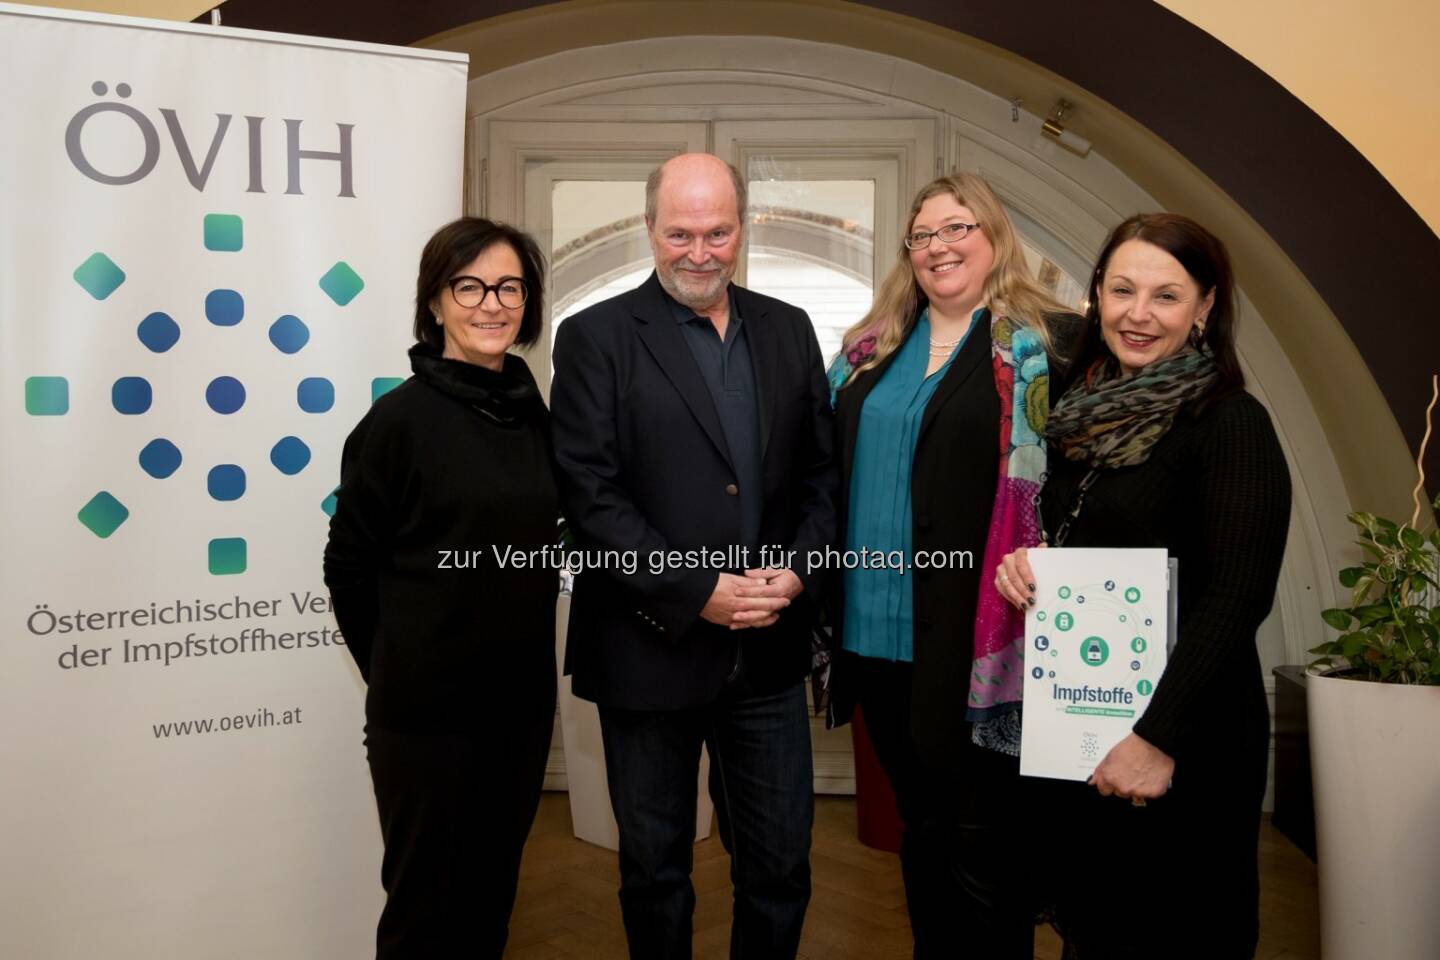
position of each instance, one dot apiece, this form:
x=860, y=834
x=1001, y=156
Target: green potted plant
x=1390, y=632
x=1374, y=706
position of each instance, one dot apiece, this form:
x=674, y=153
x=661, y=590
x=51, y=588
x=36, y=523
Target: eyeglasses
x=472, y=291
x=950, y=233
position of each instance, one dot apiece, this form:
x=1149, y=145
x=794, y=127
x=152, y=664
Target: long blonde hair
x=1010, y=291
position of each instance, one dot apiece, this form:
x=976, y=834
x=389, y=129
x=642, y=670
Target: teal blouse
x=879, y=602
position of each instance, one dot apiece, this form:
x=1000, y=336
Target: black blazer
x=952, y=491
x=642, y=466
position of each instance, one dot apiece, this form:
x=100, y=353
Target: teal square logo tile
x=227, y=556
x=47, y=396
x=99, y=276
x=103, y=514
x=224, y=232
x=341, y=283
x=383, y=385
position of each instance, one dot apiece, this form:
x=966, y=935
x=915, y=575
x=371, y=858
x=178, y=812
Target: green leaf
x=1337, y=618
x=1412, y=538
x=1351, y=576
x=1369, y=614
x=1351, y=644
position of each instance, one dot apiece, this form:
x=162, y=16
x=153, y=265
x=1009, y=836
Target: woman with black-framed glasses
x=446, y=475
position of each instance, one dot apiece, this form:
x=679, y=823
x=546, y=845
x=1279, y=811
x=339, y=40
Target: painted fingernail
x=1031, y=601
x=1031, y=586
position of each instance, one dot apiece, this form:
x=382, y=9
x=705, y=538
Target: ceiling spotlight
x=1053, y=127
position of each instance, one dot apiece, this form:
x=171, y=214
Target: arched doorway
x=833, y=142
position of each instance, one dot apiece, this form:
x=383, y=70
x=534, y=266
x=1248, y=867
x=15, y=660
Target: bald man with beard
x=691, y=419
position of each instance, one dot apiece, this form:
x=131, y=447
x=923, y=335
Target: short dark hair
x=456, y=244
x=1205, y=258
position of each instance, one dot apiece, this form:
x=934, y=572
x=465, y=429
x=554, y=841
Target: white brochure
x=1095, y=646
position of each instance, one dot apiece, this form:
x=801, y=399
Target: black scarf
x=508, y=396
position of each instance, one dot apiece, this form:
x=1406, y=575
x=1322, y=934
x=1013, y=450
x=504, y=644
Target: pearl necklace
x=943, y=348
x=938, y=349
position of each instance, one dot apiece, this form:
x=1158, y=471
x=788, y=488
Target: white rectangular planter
x=1375, y=751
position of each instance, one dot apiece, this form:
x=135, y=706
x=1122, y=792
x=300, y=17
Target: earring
x=1197, y=335
x=437, y=319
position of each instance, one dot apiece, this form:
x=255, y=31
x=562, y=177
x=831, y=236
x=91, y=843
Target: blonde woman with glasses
x=941, y=395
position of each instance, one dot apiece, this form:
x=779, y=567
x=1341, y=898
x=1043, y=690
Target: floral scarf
x=1022, y=380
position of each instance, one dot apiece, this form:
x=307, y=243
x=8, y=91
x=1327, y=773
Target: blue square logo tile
x=47, y=396
x=341, y=283
x=103, y=514
x=224, y=232
x=99, y=276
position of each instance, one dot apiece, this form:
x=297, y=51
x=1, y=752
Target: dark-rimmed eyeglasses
x=950, y=233
x=472, y=291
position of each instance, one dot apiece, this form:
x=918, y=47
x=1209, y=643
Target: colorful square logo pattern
x=99, y=276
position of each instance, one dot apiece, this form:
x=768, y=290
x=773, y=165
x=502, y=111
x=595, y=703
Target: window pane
x=598, y=246
x=834, y=300
x=812, y=243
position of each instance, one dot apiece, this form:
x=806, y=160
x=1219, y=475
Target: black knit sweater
x=443, y=470
x=1216, y=493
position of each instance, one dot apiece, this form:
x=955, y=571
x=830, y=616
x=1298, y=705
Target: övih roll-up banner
x=207, y=263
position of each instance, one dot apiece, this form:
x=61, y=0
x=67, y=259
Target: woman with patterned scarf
x=1156, y=444
x=941, y=394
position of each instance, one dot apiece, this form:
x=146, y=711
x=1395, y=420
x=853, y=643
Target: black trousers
x=454, y=814
x=964, y=885
x=986, y=852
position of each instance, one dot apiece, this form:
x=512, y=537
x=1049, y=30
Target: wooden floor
x=567, y=906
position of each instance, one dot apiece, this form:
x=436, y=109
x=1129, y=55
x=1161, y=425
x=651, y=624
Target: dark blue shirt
x=729, y=373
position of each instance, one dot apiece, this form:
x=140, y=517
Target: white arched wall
x=690, y=80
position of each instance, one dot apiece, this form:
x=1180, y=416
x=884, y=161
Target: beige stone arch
x=1301, y=364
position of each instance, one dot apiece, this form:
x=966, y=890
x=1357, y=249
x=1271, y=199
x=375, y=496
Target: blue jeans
x=762, y=784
